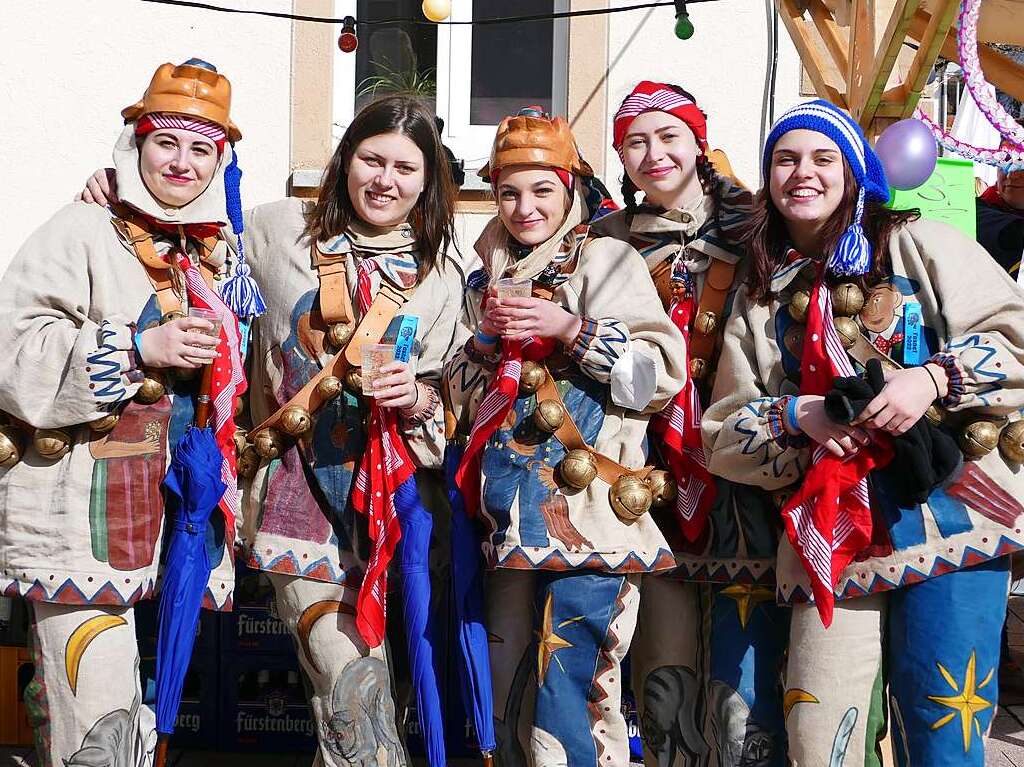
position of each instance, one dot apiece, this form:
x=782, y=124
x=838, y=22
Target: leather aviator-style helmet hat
x=194, y=89
x=534, y=140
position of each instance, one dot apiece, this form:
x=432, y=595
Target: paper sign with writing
x=947, y=195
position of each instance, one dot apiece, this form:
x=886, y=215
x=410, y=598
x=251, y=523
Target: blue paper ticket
x=913, y=353
x=406, y=337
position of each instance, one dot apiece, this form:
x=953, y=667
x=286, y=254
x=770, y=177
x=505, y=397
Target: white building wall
x=723, y=65
x=70, y=66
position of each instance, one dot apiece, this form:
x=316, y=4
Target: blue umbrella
x=467, y=588
x=417, y=523
x=195, y=488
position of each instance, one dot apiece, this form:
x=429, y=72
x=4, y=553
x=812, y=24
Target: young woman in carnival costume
x=897, y=538
x=705, y=661
x=332, y=471
x=99, y=388
x=562, y=384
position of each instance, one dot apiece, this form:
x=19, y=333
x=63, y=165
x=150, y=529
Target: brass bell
x=328, y=388
x=935, y=414
x=339, y=334
x=848, y=331
x=979, y=438
x=847, y=299
x=630, y=497
x=798, y=305
x=248, y=462
x=150, y=391
x=269, y=443
x=1011, y=442
x=663, y=487
x=105, y=424
x=705, y=322
x=171, y=316
x=578, y=468
x=354, y=380
x=239, y=407
x=793, y=340
x=549, y=416
x=698, y=368
x=295, y=421
x=241, y=439
x=11, y=446
x=52, y=443
x=531, y=378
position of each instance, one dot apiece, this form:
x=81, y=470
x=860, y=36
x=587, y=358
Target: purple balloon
x=908, y=153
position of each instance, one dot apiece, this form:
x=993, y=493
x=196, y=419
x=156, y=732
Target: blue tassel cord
x=240, y=292
x=852, y=255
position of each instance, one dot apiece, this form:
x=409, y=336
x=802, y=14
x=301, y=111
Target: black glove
x=925, y=456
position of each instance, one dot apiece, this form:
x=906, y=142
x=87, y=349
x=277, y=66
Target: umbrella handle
x=161, y=750
x=488, y=758
x=203, y=398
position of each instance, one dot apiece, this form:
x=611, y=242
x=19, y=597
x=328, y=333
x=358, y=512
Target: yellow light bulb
x=437, y=10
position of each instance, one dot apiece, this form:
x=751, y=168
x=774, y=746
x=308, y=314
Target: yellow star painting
x=966, y=703
x=747, y=597
x=549, y=642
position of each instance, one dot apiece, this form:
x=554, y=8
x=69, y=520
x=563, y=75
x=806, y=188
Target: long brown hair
x=433, y=216
x=767, y=237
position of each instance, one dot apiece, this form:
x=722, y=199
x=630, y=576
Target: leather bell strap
x=569, y=435
x=371, y=328
x=335, y=300
x=712, y=300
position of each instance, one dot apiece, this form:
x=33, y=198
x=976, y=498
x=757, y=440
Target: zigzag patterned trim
x=517, y=559
x=727, y=571
x=288, y=564
x=105, y=373
x=779, y=463
x=68, y=593
x=598, y=695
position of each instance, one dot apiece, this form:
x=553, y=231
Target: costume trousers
x=351, y=687
x=85, y=698
x=932, y=648
x=557, y=641
x=706, y=664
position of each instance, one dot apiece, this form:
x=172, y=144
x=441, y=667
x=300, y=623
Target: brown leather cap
x=525, y=140
x=187, y=89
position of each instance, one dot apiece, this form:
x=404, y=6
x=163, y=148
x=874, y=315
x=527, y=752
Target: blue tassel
x=240, y=292
x=852, y=255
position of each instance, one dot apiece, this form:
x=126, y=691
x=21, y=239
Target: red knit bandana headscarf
x=160, y=120
x=659, y=97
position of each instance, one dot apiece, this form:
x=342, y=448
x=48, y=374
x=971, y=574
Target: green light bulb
x=684, y=27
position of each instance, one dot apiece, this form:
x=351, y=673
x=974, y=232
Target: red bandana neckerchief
x=678, y=425
x=828, y=519
x=385, y=466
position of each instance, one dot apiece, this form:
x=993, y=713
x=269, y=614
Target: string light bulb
x=437, y=10
x=684, y=27
x=347, y=40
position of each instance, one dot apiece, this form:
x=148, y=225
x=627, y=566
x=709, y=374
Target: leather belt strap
x=569, y=435
x=717, y=282
x=335, y=300
x=371, y=328
x=662, y=276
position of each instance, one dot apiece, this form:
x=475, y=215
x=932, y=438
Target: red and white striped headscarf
x=659, y=97
x=160, y=120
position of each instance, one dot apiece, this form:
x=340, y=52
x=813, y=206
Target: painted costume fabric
x=710, y=639
x=298, y=519
x=560, y=556
x=971, y=520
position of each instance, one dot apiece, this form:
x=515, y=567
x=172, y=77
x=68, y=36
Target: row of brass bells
x=248, y=462
x=698, y=368
x=531, y=378
x=663, y=488
x=328, y=388
x=339, y=334
x=549, y=416
x=105, y=424
x=578, y=468
x=1011, y=442
x=630, y=497
x=269, y=443
x=706, y=322
x=52, y=443
x=847, y=299
x=798, y=306
x=979, y=438
x=354, y=380
x=12, y=445
x=295, y=421
x=150, y=391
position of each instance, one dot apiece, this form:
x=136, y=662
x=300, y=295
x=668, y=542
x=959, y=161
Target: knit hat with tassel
x=852, y=255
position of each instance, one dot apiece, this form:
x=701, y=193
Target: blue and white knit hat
x=853, y=251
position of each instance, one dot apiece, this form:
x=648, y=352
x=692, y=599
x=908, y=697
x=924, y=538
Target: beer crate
x=16, y=672
x=264, y=706
x=252, y=627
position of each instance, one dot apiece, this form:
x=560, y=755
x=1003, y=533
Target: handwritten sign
x=947, y=195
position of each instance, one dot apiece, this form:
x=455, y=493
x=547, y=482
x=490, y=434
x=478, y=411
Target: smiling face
x=177, y=165
x=659, y=153
x=806, y=182
x=386, y=175
x=532, y=202
x=1011, y=188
